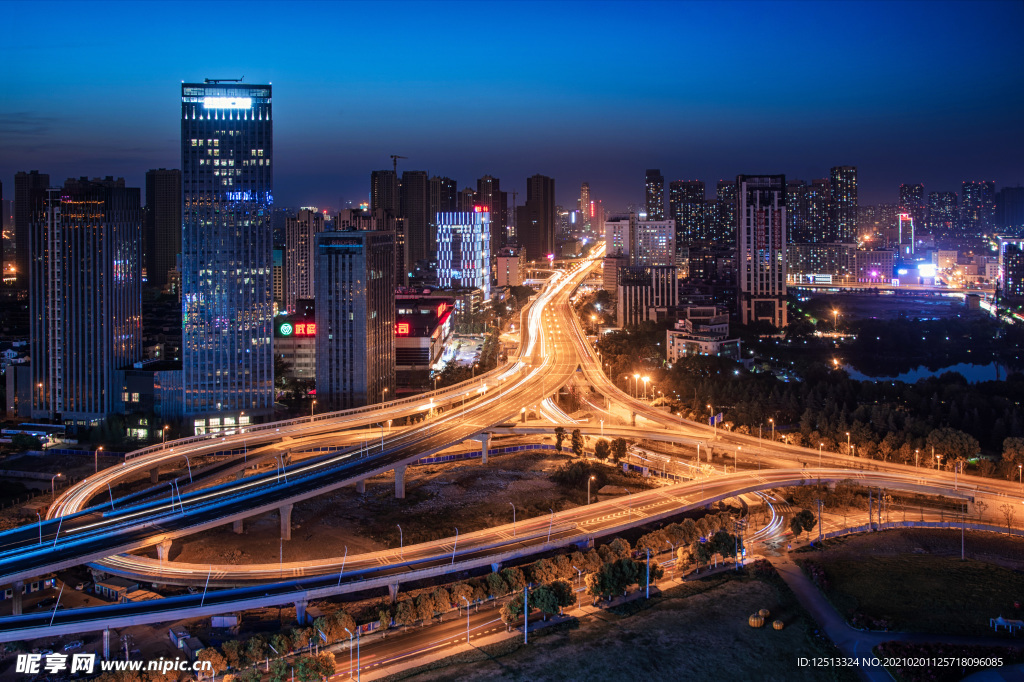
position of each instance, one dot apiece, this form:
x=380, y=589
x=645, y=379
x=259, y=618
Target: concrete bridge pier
x=237, y=526
x=300, y=612
x=496, y=566
x=632, y=418
x=154, y=475
x=163, y=550
x=286, y=521
x=393, y=592
x=400, y=482
x=484, y=439
x=361, y=486
x=17, y=596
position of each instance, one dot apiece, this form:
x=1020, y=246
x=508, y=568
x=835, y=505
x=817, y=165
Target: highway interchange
x=86, y=525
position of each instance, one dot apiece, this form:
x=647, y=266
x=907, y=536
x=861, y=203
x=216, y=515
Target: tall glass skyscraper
x=227, y=149
x=464, y=250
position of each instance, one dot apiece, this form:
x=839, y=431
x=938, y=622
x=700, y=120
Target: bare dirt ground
x=995, y=548
x=468, y=495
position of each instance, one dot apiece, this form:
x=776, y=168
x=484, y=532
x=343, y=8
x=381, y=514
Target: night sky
x=581, y=91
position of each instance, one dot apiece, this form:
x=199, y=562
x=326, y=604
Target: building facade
x=761, y=248
x=654, y=191
x=300, y=232
x=227, y=148
x=645, y=293
x=535, y=220
x=464, y=250
x=687, y=207
x=843, y=186
x=162, y=234
x=29, y=208
x=511, y=267
x=85, y=298
x=355, y=318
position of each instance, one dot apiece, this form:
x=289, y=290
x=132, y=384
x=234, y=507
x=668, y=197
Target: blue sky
x=908, y=92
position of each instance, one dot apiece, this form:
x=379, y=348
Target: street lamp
x=401, y=543
x=820, y=446
x=714, y=422
x=917, y=454
x=164, y=434
x=636, y=385
x=847, y=442
x=602, y=427
x=772, y=421
x=53, y=488
x=312, y=406
x=645, y=380
x=835, y=320
x=96, y=459
x=513, y=519
x=588, y=488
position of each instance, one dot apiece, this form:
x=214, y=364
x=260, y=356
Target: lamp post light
x=53, y=488
x=917, y=455
x=820, y=446
x=401, y=544
x=312, y=406
x=513, y=519
x=164, y=433
x=189, y=465
x=772, y=422
x=96, y=459
x=847, y=442
x=551, y=521
x=588, y=488
x=602, y=428
x=835, y=320
x=636, y=385
x=645, y=380
x=467, y=617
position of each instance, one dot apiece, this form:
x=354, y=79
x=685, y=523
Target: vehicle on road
x=77, y=644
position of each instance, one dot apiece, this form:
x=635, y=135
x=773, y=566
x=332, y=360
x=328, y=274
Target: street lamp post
x=820, y=446
x=189, y=465
x=513, y=519
x=714, y=422
x=96, y=459
x=350, y=635
x=53, y=488
x=645, y=380
x=550, y=522
x=917, y=455
x=401, y=543
x=636, y=385
x=602, y=428
x=312, y=406
x=847, y=442
x=467, y=617
x=164, y=432
x=588, y=488
x=772, y=422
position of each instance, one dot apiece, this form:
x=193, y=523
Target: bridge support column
x=496, y=566
x=240, y=475
x=400, y=482
x=286, y=521
x=632, y=418
x=484, y=439
x=16, y=597
x=300, y=612
x=393, y=592
x=163, y=551
x=106, y=644
x=237, y=526
x=361, y=486
x=154, y=475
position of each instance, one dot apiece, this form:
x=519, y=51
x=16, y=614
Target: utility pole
x=526, y=613
x=819, y=519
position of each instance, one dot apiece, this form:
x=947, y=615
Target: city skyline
x=933, y=105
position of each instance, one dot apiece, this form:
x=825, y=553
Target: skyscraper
x=413, y=209
x=655, y=193
x=442, y=197
x=227, y=148
x=1009, y=213
x=761, y=248
x=819, y=211
x=464, y=250
x=978, y=207
x=585, y=209
x=467, y=199
x=355, y=318
x=912, y=203
x=535, y=222
x=29, y=205
x=162, y=233
x=385, y=196
x=85, y=299
x=300, y=231
x=686, y=206
x=797, y=221
x=490, y=196
x=843, y=186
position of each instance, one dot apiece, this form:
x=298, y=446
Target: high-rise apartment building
x=819, y=211
x=843, y=186
x=464, y=250
x=467, y=199
x=355, y=318
x=1009, y=213
x=490, y=196
x=442, y=197
x=535, y=221
x=761, y=248
x=912, y=202
x=977, y=207
x=725, y=227
x=655, y=194
x=413, y=203
x=300, y=232
x=797, y=217
x=384, y=191
x=29, y=205
x=227, y=148
x=162, y=231
x=644, y=242
x=85, y=298
x=943, y=213
x=645, y=293
x=686, y=206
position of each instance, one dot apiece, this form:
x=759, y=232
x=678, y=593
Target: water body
x=974, y=374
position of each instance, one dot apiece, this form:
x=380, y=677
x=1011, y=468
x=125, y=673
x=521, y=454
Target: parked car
x=46, y=603
x=77, y=644
x=80, y=586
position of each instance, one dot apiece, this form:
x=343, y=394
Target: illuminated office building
x=464, y=250
x=355, y=318
x=227, y=148
x=85, y=298
x=761, y=248
x=300, y=231
x=977, y=207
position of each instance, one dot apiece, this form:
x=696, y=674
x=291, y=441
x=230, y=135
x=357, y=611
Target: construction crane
x=394, y=161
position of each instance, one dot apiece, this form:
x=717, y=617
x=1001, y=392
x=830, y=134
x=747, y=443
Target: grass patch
x=930, y=594
x=697, y=630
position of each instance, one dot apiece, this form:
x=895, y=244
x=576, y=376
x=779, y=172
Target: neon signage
x=297, y=329
x=227, y=102
x=403, y=329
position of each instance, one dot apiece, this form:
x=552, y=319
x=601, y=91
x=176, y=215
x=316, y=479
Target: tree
x=559, y=437
x=301, y=637
x=23, y=441
x=341, y=621
x=1013, y=450
x=577, y=442
x=384, y=618
x=803, y=521
x=426, y=607
x=563, y=592
x=618, y=449
x=496, y=585
x=979, y=508
x=1009, y=511
x=545, y=600
x=405, y=612
x=462, y=593
x=249, y=675
x=543, y=571
x=953, y=442
x=232, y=652
x=314, y=668
x=256, y=648
x=602, y=449
x=514, y=578
x=511, y=611
x=217, y=661
x=280, y=671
